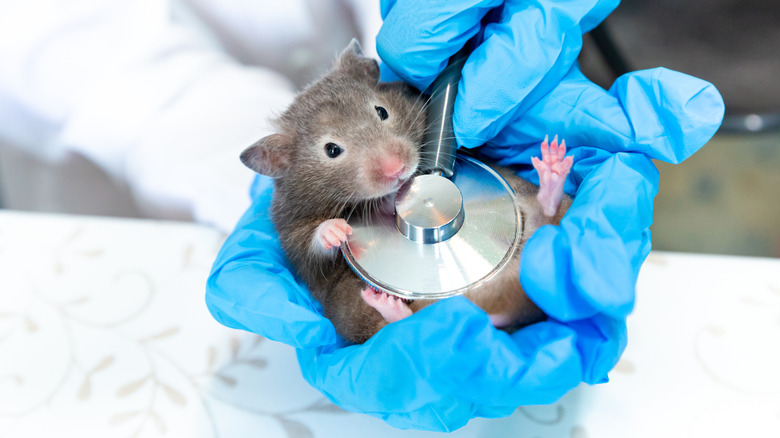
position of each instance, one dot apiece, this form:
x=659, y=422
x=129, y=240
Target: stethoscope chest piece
x=445, y=237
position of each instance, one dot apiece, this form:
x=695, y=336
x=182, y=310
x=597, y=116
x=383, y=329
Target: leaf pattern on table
x=76, y=302
x=85, y=390
x=180, y=386
x=30, y=325
x=258, y=362
x=187, y=256
x=211, y=359
x=14, y=378
x=175, y=396
x=94, y=253
x=235, y=345
x=132, y=387
x=103, y=364
x=296, y=429
x=325, y=406
x=657, y=259
x=625, y=367
x=170, y=331
x=578, y=432
x=157, y=362
x=737, y=376
x=123, y=417
x=227, y=380
x=159, y=423
x=533, y=416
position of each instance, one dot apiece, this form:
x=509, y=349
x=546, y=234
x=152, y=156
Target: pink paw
x=332, y=233
x=553, y=169
x=389, y=306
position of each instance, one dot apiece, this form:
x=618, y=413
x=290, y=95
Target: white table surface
x=104, y=333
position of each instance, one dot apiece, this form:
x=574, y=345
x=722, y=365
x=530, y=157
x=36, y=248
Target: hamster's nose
x=392, y=167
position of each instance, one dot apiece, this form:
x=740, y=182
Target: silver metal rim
x=490, y=207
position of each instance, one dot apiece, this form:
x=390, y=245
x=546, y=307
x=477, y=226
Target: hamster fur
x=346, y=144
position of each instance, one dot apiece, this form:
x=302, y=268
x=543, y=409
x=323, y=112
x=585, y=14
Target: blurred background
x=725, y=199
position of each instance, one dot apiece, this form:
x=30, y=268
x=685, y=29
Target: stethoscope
x=454, y=226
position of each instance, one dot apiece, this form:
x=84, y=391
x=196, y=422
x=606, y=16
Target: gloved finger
x=522, y=57
x=422, y=365
x=418, y=38
x=589, y=264
x=251, y=286
x=601, y=341
x=598, y=343
x=661, y=113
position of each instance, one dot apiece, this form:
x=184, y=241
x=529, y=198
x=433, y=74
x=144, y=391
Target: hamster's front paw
x=331, y=233
x=553, y=169
x=389, y=306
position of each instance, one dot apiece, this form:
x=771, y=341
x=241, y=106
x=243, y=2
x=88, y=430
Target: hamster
x=347, y=143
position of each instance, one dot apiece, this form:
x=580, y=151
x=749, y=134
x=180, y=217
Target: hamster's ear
x=352, y=62
x=354, y=48
x=268, y=156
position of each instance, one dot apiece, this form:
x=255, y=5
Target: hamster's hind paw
x=553, y=169
x=390, y=307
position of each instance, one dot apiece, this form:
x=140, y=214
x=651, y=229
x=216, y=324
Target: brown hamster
x=346, y=144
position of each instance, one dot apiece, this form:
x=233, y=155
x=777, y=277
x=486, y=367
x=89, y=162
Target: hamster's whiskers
x=422, y=108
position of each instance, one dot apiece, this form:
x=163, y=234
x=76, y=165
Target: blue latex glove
x=525, y=51
x=447, y=364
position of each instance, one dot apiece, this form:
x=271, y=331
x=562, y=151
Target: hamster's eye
x=333, y=150
x=381, y=112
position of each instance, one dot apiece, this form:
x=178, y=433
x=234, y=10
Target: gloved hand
x=525, y=50
x=430, y=371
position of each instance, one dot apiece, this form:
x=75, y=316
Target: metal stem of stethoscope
x=429, y=209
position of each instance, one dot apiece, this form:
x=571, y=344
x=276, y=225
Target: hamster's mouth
x=400, y=182
x=390, y=189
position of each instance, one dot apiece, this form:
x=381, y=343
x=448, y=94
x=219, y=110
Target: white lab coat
x=164, y=94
